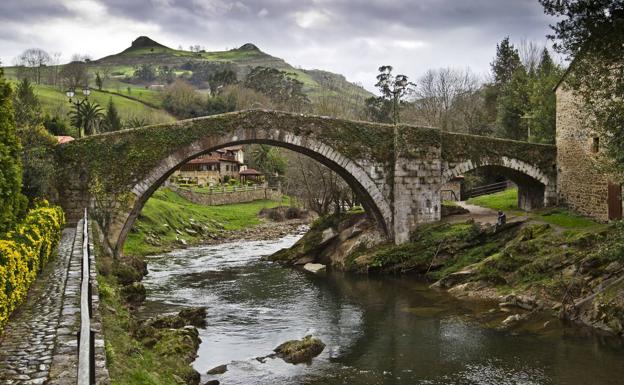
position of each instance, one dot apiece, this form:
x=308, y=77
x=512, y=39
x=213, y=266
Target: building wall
x=581, y=184
x=203, y=178
x=226, y=198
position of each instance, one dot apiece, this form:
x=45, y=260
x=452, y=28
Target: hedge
x=23, y=253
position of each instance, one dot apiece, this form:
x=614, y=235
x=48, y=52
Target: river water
x=378, y=330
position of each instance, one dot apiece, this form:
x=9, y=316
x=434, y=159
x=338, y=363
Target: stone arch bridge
x=396, y=171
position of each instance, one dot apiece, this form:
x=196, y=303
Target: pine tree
x=111, y=121
x=542, y=100
x=98, y=81
x=12, y=202
x=26, y=105
x=512, y=106
x=506, y=62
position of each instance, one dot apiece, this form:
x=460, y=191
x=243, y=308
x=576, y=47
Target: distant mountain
x=242, y=60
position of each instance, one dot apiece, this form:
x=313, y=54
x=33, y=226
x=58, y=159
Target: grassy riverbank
x=168, y=221
x=133, y=356
x=555, y=260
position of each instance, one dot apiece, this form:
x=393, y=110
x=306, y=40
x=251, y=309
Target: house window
x=595, y=144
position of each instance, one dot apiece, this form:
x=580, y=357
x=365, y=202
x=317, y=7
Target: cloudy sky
x=351, y=37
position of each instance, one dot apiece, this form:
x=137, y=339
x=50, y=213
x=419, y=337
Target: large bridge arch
x=354, y=174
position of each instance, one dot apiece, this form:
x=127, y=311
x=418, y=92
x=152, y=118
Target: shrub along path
x=27, y=343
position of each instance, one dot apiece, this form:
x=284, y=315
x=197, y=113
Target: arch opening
x=535, y=189
x=370, y=197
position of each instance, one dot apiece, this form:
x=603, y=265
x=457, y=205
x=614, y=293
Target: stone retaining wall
x=226, y=198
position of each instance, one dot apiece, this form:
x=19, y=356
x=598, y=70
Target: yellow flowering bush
x=23, y=253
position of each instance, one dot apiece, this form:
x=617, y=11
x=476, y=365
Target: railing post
x=85, y=356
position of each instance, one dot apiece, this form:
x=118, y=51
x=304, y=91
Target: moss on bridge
x=125, y=157
x=461, y=147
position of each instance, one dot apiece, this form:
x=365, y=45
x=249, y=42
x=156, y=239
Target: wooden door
x=615, y=201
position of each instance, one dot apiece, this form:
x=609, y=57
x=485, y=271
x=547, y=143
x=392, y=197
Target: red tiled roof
x=64, y=139
x=203, y=161
x=250, y=171
x=233, y=148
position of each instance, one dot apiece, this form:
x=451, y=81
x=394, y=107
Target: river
x=378, y=330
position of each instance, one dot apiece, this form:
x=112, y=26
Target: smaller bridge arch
x=535, y=188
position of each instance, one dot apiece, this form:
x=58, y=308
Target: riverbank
x=161, y=350
x=549, y=261
x=168, y=222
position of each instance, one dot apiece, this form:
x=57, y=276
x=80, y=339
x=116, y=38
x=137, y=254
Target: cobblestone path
x=27, y=343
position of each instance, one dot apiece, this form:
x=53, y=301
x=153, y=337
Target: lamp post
x=528, y=118
x=70, y=93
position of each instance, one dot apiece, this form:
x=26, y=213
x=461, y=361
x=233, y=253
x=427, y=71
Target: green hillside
x=141, y=99
x=54, y=102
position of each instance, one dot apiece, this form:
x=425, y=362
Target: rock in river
x=314, y=267
x=298, y=351
x=218, y=369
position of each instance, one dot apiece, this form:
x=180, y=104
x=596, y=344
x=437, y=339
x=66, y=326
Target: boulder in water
x=218, y=370
x=298, y=351
x=314, y=267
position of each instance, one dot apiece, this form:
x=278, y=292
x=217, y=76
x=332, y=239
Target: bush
x=24, y=252
x=12, y=202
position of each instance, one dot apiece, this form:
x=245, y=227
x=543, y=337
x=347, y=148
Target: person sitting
x=502, y=219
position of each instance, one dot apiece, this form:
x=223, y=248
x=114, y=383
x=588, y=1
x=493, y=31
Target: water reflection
x=378, y=330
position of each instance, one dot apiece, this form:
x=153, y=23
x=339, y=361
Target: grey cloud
x=31, y=10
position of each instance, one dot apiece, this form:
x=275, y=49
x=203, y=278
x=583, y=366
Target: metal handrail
x=487, y=189
x=84, y=348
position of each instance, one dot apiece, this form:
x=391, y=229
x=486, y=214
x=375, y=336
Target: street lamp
x=528, y=117
x=70, y=93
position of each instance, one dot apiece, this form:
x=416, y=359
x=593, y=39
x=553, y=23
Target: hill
x=143, y=98
x=242, y=60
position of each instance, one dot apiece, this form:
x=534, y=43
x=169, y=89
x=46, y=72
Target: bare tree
x=318, y=187
x=447, y=98
x=33, y=60
x=339, y=102
x=74, y=74
x=246, y=98
x=530, y=54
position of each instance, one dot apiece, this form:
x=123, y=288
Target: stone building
x=582, y=183
x=212, y=168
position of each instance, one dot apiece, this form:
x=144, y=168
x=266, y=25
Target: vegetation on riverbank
x=562, y=262
x=138, y=352
x=168, y=221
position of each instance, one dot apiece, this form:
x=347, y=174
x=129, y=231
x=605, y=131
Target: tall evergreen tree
x=542, y=100
x=26, y=105
x=111, y=121
x=98, y=81
x=506, y=62
x=513, y=105
x=12, y=202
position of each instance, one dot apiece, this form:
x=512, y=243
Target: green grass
x=563, y=218
x=166, y=211
x=137, y=91
x=505, y=200
x=54, y=101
